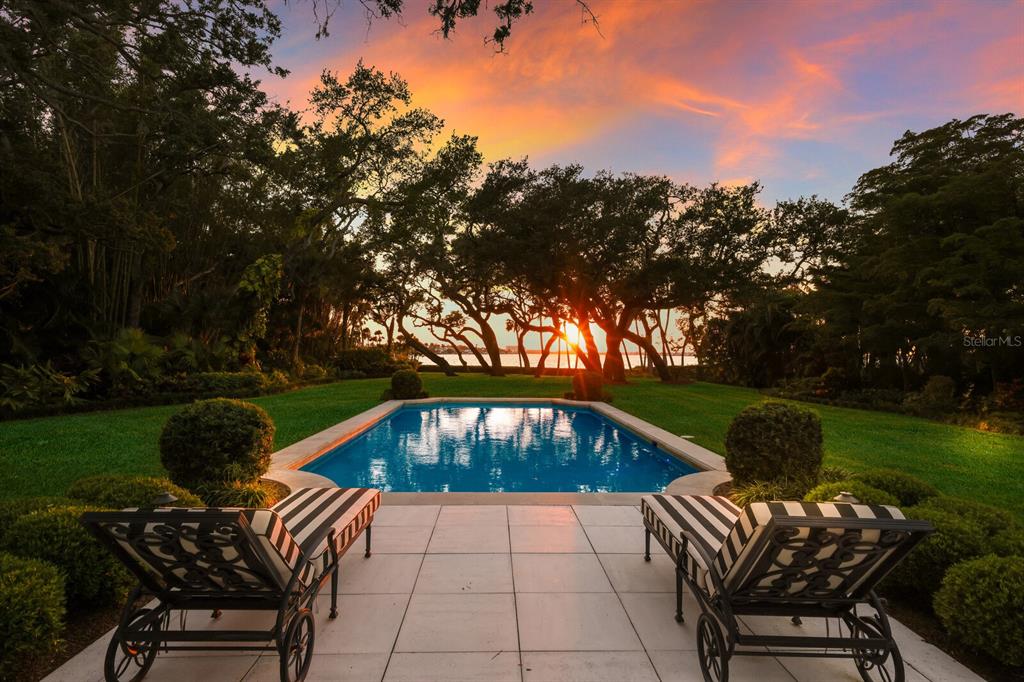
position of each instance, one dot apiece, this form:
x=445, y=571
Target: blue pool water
x=499, y=448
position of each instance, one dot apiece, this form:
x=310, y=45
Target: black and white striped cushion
x=739, y=567
x=306, y=512
x=216, y=560
x=707, y=519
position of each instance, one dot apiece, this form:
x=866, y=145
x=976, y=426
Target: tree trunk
x=524, y=357
x=614, y=368
x=544, y=355
x=298, y=334
x=652, y=354
x=424, y=349
x=490, y=340
x=592, y=358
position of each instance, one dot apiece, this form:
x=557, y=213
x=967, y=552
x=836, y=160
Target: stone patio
x=499, y=593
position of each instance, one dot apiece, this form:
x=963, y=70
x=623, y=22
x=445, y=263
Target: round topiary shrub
x=589, y=385
x=212, y=442
x=405, y=385
x=865, y=494
x=31, y=611
x=118, y=492
x=13, y=509
x=955, y=539
x=991, y=519
x=773, y=441
x=910, y=490
x=981, y=603
x=92, y=575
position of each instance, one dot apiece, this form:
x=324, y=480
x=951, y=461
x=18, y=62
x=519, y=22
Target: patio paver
x=447, y=597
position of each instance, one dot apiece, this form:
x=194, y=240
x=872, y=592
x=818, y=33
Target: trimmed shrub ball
x=920, y=573
x=118, y=492
x=910, y=490
x=406, y=385
x=991, y=519
x=981, y=603
x=213, y=442
x=589, y=385
x=92, y=575
x=865, y=494
x=774, y=441
x=31, y=611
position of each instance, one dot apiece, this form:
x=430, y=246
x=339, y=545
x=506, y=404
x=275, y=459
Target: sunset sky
x=802, y=96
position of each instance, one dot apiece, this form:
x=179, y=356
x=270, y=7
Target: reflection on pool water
x=499, y=448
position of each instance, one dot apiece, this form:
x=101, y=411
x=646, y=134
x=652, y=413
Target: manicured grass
x=43, y=456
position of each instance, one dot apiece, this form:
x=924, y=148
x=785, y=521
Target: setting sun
x=572, y=334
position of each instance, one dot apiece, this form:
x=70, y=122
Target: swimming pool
x=478, y=447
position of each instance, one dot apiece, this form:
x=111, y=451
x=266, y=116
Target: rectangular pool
x=486, y=447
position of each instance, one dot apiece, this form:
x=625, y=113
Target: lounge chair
x=230, y=559
x=793, y=559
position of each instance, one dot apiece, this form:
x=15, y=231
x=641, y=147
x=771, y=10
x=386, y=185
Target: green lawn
x=42, y=456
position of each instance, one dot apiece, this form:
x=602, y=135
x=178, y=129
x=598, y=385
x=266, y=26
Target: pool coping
x=286, y=462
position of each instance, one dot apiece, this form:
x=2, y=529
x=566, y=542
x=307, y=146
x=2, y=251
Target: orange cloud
x=746, y=79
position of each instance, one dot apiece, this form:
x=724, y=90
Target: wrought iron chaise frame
x=143, y=630
x=870, y=641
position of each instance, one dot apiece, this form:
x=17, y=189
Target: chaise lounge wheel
x=877, y=665
x=127, y=660
x=711, y=650
x=297, y=649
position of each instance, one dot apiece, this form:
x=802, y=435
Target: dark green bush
x=589, y=385
x=405, y=385
x=835, y=380
x=680, y=374
x=990, y=519
x=31, y=612
x=226, y=384
x=1009, y=542
x=774, y=441
x=938, y=397
x=15, y=508
x=212, y=442
x=92, y=575
x=373, y=362
x=311, y=372
x=981, y=603
x=910, y=490
x=118, y=492
x=349, y=374
x=865, y=494
x=955, y=539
